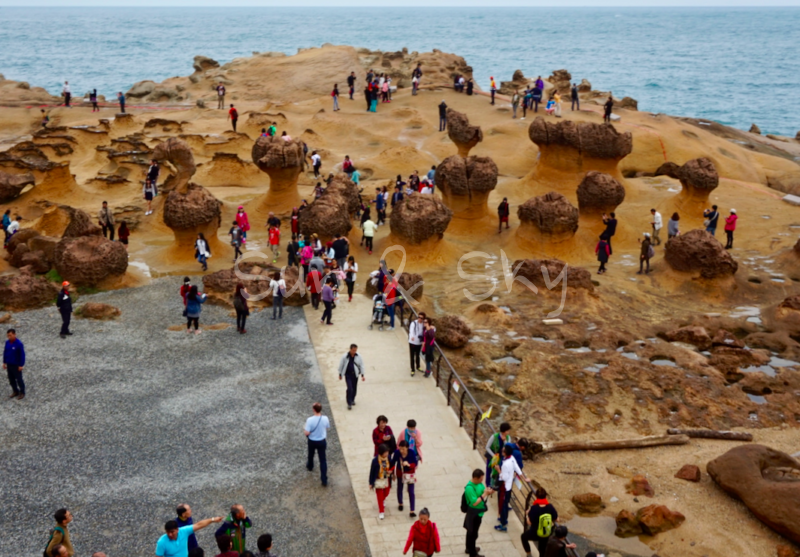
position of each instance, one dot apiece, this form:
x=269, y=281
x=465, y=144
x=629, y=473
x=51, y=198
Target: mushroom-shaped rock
x=550, y=217
x=222, y=284
x=697, y=250
x=420, y=217
x=668, y=169
x=330, y=214
x=461, y=133
x=698, y=177
x=11, y=185
x=87, y=260
x=283, y=161
x=466, y=183
x=79, y=223
x=535, y=270
x=26, y=291
x=178, y=153
x=412, y=283
x=203, y=63
x=190, y=213
x=599, y=193
x=766, y=482
x=452, y=331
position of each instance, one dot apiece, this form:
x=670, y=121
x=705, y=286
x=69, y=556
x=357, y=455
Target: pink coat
x=730, y=222
x=242, y=221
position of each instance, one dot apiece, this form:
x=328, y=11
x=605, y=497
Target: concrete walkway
x=389, y=389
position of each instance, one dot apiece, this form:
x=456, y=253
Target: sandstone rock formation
x=518, y=83
x=628, y=103
x=204, y=63
x=283, y=161
x=755, y=129
x=689, y=472
x=195, y=211
x=79, y=223
x=331, y=213
x=698, y=179
x=221, y=285
x=461, y=133
x=649, y=521
x=87, y=260
x=547, y=218
x=412, y=283
x=588, y=503
x=561, y=80
x=26, y=291
x=599, y=193
x=465, y=184
x=11, y=185
x=531, y=269
x=698, y=251
x=20, y=238
x=95, y=310
x=418, y=218
x=639, y=485
x=178, y=153
x=452, y=331
x=23, y=256
x=694, y=335
x=766, y=481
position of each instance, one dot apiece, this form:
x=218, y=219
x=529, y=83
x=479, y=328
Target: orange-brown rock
x=87, y=260
x=413, y=284
x=689, y=472
x=465, y=184
x=655, y=519
x=586, y=141
x=531, y=269
x=11, y=185
x=25, y=291
x=694, y=335
x=283, y=162
x=550, y=217
x=23, y=256
x=461, y=133
x=599, y=193
x=222, y=284
x=79, y=223
x=190, y=213
x=697, y=251
x=19, y=238
x=640, y=486
x=419, y=217
x=588, y=503
x=331, y=213
x=627, y=525
x=95, y=310
x=178, y=153
x=452, y=331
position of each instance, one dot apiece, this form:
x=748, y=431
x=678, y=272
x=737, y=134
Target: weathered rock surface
x=282, y=160
x=640, y=486
x=79, y=223
x=699, y=251
x=699, y=175
x=26, y=291
x=178, y=153
x=194, y=210
x=531, y=269
x=689, y=472
x=588, y=503
x=20, y=238
x=330, y=214
x=755, y=129
x=649, y=521
x=87, y=260
x=418, y=218
x=465, y=184
x=518, y=83
x=11, y=185
x=694, y=335
x=599, y=192
x=601, y=141
x=561, y=80
x=461, y=133
x=413, y=284
x=204, y=63
x=23, y=256
x=452, y=331
x=551, y=214
x=221, y=285
x=95, y=310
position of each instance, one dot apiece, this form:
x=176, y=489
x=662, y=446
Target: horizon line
x=524, y=4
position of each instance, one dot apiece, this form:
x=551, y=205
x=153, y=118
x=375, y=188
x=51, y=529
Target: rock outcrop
x=452, y=331
x=418, y=218
x=95, y=310
x=87, y=260
x=25, y=291
x=24, y=256
x=694, y=335
x=518, y=83
x=11, y=185
x=190, y=213
x=531, y=269
x=599, y=193
x=649, y=521
x=204, y=63
x=283, y=162
x=755, y=129
x=698, y=251
x=461, y=133
x=689, y=472
x=766, y=481
x=79, y=223
x=178, y=153
x=221, y=285
x=465, y=184
x=413, y=284
x=561, y=80
x=330, y=214
x=588, y=503
x=550, y=217
x=698, y=179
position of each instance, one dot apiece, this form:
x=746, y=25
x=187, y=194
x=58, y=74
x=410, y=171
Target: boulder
x=766, y=481
x=191, y=213
x=561, y=80
x=550, y=215
x=95, y=310
x=26, y=291
x=726, y=338
x=584, y=86
x=531, y=269
x=518, y=83
x=413, y=284
x=79, y=223
x=696, y=336
x=465, y=184
x=461, y=133
x=23, y=256
x=330, y=214
x=419, y=217
x=599, y=141
x=140, y=89
x=668, y=169
x=87, y=260
x=204, y=63
x=627, y=525
x=699, y=176
x=344, y=187
x=588, y=503
x=452, y=331
x=629, y=103
x=655, y=519
x=640, y=486
x=755, y=129
x=599, y=193
x=20, y=238
x=689, y=472
x=178, y=153
x=45, y=244
x=699, y=251
x=11, y=185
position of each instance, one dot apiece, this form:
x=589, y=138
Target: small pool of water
x=540, y=339
x=757, y=399
x=508, y=360
x=595, y=368
x=669, y=363
x=768, y=370
x=581, y=350
x=599, y=533
x=631, y=355
x=780, y=362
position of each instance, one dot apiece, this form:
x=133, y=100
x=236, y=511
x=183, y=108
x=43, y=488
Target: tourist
x=502, y=214
x=124, y=233
x=711, y=217
x=557, y=105
x=397, y=196
x=576, y=101
x=557, y=545
x=66, y=92
x=550, y=108
x=350, y=268
x=6, y=224
x=233, y=116
x=306, y=254
x=293, y=251
x=536, y=95
x=225, y=545
x=240, y=297
x=316, y=261
x=202, y=251
x=174, y=543
x=416, y=331
x=380, y=477
x=278, y=287
x=59, y=536
x=236, y=240
x=351, y=83
x=494, y=446
x=442, y=116
x=539, y=83
x=657, y=223
x=328, y=297
x=645, y=253
x=355, y=176
x=335, y=95
x=672, y=226
x=264, y=544
x=264, y=132
x=413, y=436
x=235, y=526
x=417, y=72
x=316, y=431
x=194, y=301
x=314, y=284
x=64, y=304
x=121, y=100
x=59, y=550
x=423, y=538
x=428, y=342
x=244, y=222
x=607, y=108
x=294, y=223
x=373, y=98
x=14, y=363
x=184, y=518
x=492, y=88
x=93, y=100
x=273, y=129
x=385, y=91
x=316, y=163
x=475, y=495
x=603, y=252
x=341, y=247
x=515, y=103
x=185, y=288
x=272, y=220
x=509, y=471
x=45, y=118
x=730, y=226
x=470, y=86
x=539, y=522
x=383, y=435
x=220, y=96
x=367, y=94
x=369, y=228
x=150, y=190
x=414, y=85
x=347, y=165
x=527, y=99
x=351, y=367
x=274, y=242
x=611, y=228
x=404, y=464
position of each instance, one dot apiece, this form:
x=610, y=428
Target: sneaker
x=197, y=331
x=380, y=516
x=349, y=406
x=329, y=323
x=412, y=373
x=391, y=328
x=354, y=403
x=63, y=336
x=501, y=528
x=400, y=508
x=412, y=514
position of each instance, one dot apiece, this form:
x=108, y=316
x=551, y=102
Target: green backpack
x=52, y=533
x=545, y=526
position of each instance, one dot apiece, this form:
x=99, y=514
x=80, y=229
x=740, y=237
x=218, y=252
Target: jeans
x=536, y=104
x=390, y=310
x=108, y=228
x=472, y=535
x=15, y=378
x=642, y=261
x=493, y=93
x=237, y=251
x=277, y=306
x=202, y=259
x=328, y=313
x=66, y=317
x=514, y=110
x=428, y=360
x=576, y=103
x=122, y=107
x=352, y=387
x=411, y=497
x=712, y=230
x=315, y=300
x=442, y=123
x=241, y=319
x=190, y=320
x=414, y=351
x=319, y=447
x=350, y=285
x=729, y=234
x=531, y=536
x=369, y=242
x=336, y=103
x=504, y=502
x=316, y=170
x=233, y=123
x=67, y=97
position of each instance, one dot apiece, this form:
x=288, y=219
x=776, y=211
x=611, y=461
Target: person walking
x=66, y=92
x=509, y=471
x=380, y=477
x=14, y=363
x=194, y=302
x=514, y=103
x=607, y=108
x=730, y=226
x=124, y=233
x=60, y=534
x=316, y=432
x=106, y=217
x=646, y=253
x=328, y=298
x=672, y=226
x=611, y=228
x=233, y=116
x=6, y=224
x=350, y=272
x=416, y=330
x=557, y=545
x=93, y=100
x=539, y=522
x=278, y=287
x=414, y=86
x=383, y=435
x=264, y=544
x=175, y=541
x=369, y=228
x=442, y=116
x=220, y=96
x=202, y=251
x=404, y=464
x=64, y=304
x=240, y=297
x=413, y=436
x=711, y=217
x=351, y=367
x=150, y=189
x=557, y=104
x=184, y=291
x=236, y=240
x=275, y=242
x=576, y=101
x=603, y=252
x=184, y=518
x=423, y=538
x=428, y=343
x=492, y=88
x=243, y=221
x=316, y=163
x=314, y=286
x=502, y=215
x=335, y=95
x=121, y=100
x=494, y=446
x=474, y=505
x=536, y=94
x=657, y=223
x=235, y=525
x=351, y=84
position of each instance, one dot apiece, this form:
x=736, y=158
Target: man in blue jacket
x=14, y=362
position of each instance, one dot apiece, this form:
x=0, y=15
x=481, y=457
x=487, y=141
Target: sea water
x=733, y=65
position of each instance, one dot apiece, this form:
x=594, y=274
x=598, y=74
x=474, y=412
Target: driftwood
x=652, y=441
x=712, y=434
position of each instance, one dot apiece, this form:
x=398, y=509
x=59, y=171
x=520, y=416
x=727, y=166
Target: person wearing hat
x=243, y=222
x=730, y=226
x=442, y=116
x=646, y=253
x=64, y=304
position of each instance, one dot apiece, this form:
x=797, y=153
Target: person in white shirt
x=14, y=226
x=415, y=332
x=369, y=228
x=316, y=432
x=316, y=163
x=509, y=470
x=350, y=269
x=426, y=186
x=657, y=223
x=278, y=287
x=67, y=93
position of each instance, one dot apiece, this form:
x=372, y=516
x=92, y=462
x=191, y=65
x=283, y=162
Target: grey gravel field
x=126, y=419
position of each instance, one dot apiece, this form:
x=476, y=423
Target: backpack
x=545, y=526
x=651, y=253
x=53, y=533
x=464, y=503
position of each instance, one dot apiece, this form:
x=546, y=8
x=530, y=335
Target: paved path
x=390, y=390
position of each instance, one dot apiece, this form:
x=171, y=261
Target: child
x=124, y=233
x=45, y=118
x=236, y=240
x=274, y=241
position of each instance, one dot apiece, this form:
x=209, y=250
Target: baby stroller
x=378, y=311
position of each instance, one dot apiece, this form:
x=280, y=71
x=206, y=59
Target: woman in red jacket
x=730, y=226
x=424, y=536
x=428, y=342
x=383, y=435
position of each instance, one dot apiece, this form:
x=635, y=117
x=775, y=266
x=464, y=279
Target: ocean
x=734, y=65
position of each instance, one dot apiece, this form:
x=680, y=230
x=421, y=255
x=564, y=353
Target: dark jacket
x=602, y=251
x=442, y=110
x=536, y=512
x=374, y=469
x=556, y=548
x=14, y=353
x=64, y=302
x=611, y=227
x=502, y=209
x=192, y=541
x=645, y=252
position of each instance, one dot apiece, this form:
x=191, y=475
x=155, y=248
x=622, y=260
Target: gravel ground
x=126, y=419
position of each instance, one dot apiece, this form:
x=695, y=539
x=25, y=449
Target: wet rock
x=601, y=141
x=655, y=519
x=588, y=503
x=552, y=215
x=696, y=336
x=86, y=260
x=330, y=214
x=640, y=486
x=418, y=218
x=461, y=133
x=689, y=472
x=465, y=184
x=599, y=192
x=755, y=129
x=95, y=310
x=11, y=185
x=204, y=63
x=26, y=291
x=452, y=331
x=766, y=481
x=726, y=338
x=531, y=269
x=178, y=153
x=698, y=251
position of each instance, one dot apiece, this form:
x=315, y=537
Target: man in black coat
x=64, y=304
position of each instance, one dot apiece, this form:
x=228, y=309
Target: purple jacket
x=327, y=293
